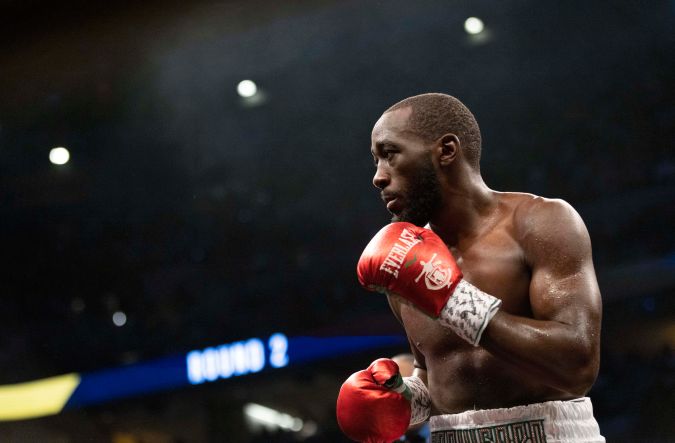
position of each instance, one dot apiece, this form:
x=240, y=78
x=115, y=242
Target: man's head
x=413, y=142
x=434, y=115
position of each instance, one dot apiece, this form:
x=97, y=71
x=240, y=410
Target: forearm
x=553, y=352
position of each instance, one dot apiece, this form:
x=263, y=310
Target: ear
x=448, y=147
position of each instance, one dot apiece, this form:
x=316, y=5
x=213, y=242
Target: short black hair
x=434, y=115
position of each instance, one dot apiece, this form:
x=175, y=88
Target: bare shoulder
x=548, y=227
x=534, y=214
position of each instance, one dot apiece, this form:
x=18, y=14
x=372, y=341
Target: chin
x=415, y=219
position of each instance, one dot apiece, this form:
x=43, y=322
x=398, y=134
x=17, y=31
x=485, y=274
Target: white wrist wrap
x=468, y=311
x=420, y=401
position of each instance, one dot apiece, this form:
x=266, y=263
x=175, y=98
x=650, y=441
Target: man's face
x=405, y=173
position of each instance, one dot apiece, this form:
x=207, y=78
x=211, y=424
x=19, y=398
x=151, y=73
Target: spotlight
x=473, y=25
x=247, y=88
x=272, y=418
x=119, y=318
x=59, y=156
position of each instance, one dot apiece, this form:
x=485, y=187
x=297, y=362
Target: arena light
x=119, y=318
x=247, y=88
x=271, y=418
x=59, y=155
x=473, y=25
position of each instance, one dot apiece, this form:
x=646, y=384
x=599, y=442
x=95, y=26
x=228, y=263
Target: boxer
x=496, y=292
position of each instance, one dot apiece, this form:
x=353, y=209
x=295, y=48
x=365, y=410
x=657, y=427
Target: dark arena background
x=182, y=269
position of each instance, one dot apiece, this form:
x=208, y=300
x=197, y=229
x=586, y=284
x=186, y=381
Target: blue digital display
x=215, y=363
x=235, y=359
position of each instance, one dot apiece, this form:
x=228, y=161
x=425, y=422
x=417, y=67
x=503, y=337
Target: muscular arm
x=560, y=345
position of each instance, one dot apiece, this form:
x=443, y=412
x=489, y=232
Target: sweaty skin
x=532, y=253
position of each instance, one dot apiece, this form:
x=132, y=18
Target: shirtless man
x=497, y=294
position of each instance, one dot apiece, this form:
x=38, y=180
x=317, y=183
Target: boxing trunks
x=551, y=422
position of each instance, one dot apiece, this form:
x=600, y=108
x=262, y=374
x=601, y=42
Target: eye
x=384, y=152
x=388, y=154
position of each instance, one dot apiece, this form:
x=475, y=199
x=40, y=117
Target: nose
x=381, y=178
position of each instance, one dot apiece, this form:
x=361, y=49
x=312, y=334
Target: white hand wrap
x=468, y=311
x=414, y=389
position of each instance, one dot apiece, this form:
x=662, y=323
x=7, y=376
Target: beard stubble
x=423, y=196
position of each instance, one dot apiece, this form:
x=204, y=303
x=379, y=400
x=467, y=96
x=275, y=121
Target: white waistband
x=551, y=422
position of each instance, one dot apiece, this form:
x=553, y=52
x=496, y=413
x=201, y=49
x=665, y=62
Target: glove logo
x=406, y=241
x=435, y=277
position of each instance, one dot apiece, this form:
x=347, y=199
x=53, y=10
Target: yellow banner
x=36, y=398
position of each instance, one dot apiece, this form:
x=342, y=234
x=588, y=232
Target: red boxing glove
x=370, y=412
x=411, y=262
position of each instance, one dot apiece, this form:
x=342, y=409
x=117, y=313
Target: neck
x=467, y=202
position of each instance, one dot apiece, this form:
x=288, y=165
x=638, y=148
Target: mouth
x=393, y=202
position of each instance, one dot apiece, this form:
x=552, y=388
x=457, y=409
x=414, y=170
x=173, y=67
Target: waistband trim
x=552, y=421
